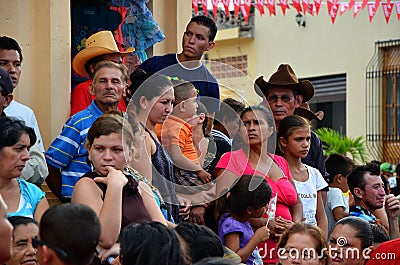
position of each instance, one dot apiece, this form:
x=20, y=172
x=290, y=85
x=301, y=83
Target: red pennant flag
x=311, y=9
x=284, y=5
x=377, y=2
x=330, y=3
x=204, y=5
x=343, y=7
x=195, y=5
x=226, y=6
x=317, y=4
x=260, y=6
x=333, y=12
x=215, y=8
x=245, y=14
x=351, y=3
x=387, y=10
x=236, y=6
x=305, y=6
x=296, y=4
x=364, y=4
x=398, y=10
x=357, y=7
x=247, y=5
x=271, y=7
x=371, y=11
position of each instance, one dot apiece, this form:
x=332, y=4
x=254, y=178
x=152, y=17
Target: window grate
x=383, y=102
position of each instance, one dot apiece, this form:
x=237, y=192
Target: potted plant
x=335, y=143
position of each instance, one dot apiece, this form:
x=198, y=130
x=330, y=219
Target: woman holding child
x=152, y=96
x=253, y=158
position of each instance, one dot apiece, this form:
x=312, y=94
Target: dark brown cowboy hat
x=285, y=77
x=305, y=111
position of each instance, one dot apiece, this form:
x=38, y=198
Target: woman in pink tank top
x=254, y=158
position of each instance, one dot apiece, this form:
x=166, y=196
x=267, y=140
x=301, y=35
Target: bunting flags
x=284, y=5
x=398, y=10
x=271, y=7
x=204, y=5
x=226, y=6
x=387, y=10
x=333, y=12
x=260, y=6
x=215, y=8
x=296, y=4
x=317, y=4
x=236, y=6
x=343, y=7
x=371, y=11
x=357, y=7
x=306, y=6
x=195, y=6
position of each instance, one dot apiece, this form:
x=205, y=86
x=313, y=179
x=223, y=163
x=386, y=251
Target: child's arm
x=322, y=220
x=233, y=242
x=339, y=213
x=183, y=162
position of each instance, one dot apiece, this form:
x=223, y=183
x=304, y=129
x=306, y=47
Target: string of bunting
x=301, y=6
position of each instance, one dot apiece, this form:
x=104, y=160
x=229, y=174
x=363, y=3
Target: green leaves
x=335, y=143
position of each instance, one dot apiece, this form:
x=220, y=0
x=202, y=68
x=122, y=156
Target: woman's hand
x=104, y=253
x=197, y=214
x=281, y=225
x=185, y=206
x=114, y=177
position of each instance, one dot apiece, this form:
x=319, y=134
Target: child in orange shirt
x=176, y=136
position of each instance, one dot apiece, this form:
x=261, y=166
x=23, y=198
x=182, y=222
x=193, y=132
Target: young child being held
x=294, y=136
x=337, y=203
x=177, y=137
x=248, y=198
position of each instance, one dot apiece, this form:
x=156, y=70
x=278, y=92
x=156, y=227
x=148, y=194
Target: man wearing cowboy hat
x=283, y=93
x=100, y=46
x=67, y=155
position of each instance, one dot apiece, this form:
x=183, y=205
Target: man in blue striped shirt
x=67, y=156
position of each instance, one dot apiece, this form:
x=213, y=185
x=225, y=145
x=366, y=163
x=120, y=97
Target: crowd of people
x=153, y=168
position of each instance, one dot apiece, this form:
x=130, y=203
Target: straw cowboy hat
x=305, y=111
x=286, y=78
x=97, y=44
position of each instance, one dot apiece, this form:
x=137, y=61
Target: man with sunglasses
x=283, y=93
x=68, y=234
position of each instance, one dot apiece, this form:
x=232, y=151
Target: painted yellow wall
x=42, y=28
x=318, y=49
x=172, y=17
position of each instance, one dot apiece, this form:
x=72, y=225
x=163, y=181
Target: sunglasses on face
x=284, y=98
x=37, y=242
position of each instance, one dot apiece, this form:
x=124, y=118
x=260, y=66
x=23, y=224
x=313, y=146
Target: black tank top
x=163, y=178
x=133, y=209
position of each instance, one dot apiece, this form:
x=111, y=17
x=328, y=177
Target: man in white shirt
x=35, y=170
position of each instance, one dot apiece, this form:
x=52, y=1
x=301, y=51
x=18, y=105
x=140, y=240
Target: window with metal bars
x=383, y=102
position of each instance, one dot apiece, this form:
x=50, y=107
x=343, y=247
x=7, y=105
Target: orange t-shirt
x=175, y=131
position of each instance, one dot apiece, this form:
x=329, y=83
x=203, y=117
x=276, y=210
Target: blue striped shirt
x=68, y=151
